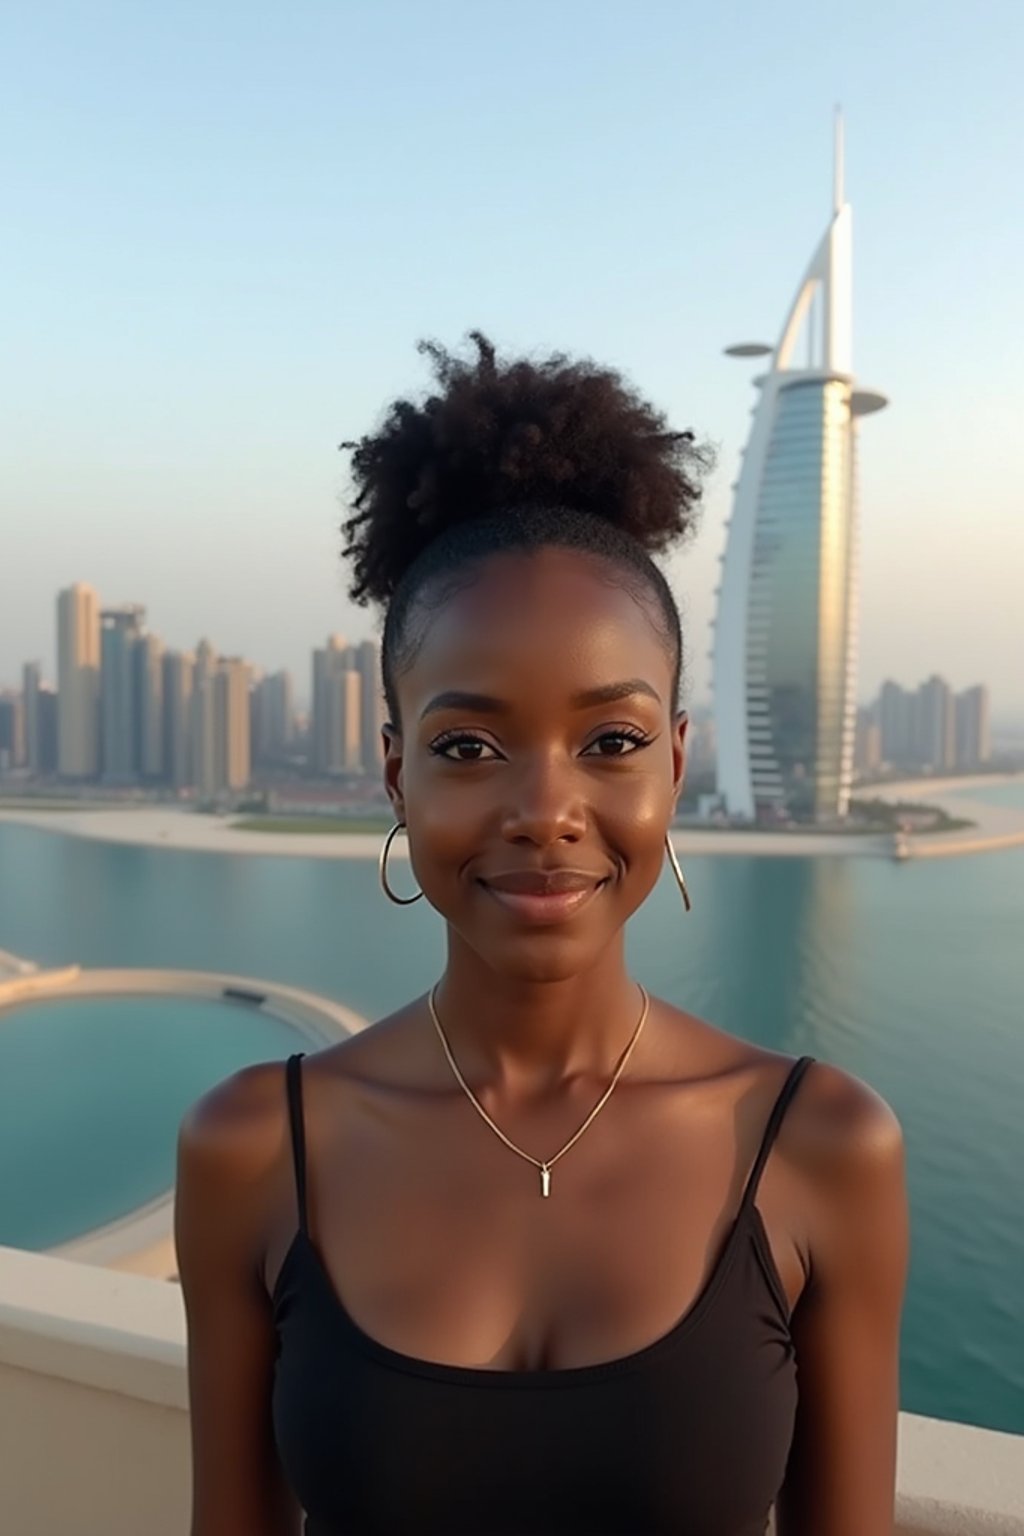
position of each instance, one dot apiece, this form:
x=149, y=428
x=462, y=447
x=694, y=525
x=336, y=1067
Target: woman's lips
x=552, y=906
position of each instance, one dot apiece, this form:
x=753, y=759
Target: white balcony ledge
x=94, y=1418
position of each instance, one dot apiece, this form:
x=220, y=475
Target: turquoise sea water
x=1011, y=794
x=909, y=975
x=92, y=1091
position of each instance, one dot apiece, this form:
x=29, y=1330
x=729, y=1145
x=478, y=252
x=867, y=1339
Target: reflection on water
x=909, y=976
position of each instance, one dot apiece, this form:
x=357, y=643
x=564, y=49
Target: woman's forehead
x=553, y=621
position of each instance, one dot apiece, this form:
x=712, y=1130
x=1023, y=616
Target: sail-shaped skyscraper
x=785, y=631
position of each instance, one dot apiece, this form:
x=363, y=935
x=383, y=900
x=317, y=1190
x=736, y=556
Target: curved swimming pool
x=92, y=1091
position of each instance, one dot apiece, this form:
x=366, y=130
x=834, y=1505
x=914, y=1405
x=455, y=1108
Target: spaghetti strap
x=293, y=1074
x=787, y=1091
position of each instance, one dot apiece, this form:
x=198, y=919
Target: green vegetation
x=868, y=816
x=885, y=816
x=311, y=824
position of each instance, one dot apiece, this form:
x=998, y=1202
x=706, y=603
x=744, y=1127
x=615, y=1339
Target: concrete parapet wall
x=94, y=1433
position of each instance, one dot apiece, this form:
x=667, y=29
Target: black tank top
x=688, y=1436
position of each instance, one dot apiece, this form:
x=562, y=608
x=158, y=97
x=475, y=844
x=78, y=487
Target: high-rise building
x=12, y=731
x=47, y=702
x=373, y=710
x=867, y=744
x=931, y=727
x=345, y=728
x=179, y=765
x=326, y=664
x=272, y=718
x=78, y=682
x=785, y=630
x=232, y=763
x=701, y=752
x=31, y=682
x=120, y=633
x=973, y=727
x=282, y=712
x=896, y=715
x=203, y=731
x=935, y=726
x=333, y=731
x=149, y=702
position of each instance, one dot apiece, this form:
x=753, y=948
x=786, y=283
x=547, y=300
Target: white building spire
x=837, y=171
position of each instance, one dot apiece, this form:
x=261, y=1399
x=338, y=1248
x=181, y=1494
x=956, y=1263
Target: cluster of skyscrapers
x=129, y=712
x=347, y=708
x=929, y=727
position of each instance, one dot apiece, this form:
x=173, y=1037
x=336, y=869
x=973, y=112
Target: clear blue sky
x=226, y=224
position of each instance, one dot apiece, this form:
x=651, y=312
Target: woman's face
x=538, y=751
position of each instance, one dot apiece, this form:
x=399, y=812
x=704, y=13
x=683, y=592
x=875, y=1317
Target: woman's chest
x=462, y=1259
x=689, y=1437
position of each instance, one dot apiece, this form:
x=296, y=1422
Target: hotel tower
x=785, y=632
x=78, y=682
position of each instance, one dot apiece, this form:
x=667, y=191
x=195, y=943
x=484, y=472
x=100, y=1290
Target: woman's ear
x=393, y=769
x=679, y=728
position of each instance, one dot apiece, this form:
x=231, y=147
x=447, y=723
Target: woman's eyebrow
x=611, y=693
x=486, y=704
x=479, y=703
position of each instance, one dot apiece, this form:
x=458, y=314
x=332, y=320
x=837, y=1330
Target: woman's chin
x=542, y=957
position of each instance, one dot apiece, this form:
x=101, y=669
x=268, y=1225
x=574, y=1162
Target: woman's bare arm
x=841, y=1475
x=226, y=1146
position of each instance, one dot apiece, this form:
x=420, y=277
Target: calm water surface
x=66, y=1118
x=909, y=976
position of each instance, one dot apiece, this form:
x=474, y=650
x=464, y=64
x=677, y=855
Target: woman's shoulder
x=232, y=1133
x=843, y=1145
x=848, y=1141
x=836, y=1124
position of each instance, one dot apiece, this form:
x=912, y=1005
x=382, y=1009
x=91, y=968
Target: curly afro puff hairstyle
x=514, y=456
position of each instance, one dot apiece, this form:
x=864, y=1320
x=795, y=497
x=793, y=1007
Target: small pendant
x=545, y=1179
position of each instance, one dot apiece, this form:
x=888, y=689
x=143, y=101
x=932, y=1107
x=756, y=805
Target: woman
x=495, y=1264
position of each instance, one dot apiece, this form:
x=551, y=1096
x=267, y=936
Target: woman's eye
x=461, y=749
x=471, y=749
x=622, y=743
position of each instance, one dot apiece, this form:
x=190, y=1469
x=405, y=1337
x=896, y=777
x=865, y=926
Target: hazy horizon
x=227, y=231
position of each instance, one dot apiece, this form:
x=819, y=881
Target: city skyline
x=242, y=292
x=1004, y=717
x=302, y=700
x=128, y=712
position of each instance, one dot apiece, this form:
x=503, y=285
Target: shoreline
x=184, y=830
x=996, y=826
x=898, y=788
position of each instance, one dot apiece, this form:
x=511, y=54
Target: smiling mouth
x=539, y=907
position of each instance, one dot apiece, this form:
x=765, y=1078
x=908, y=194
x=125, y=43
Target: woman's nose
x=545, y=804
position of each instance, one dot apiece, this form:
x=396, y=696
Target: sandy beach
x=995, y=826
x=182, y=828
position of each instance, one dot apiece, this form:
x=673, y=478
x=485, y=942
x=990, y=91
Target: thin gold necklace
x=545, y=1167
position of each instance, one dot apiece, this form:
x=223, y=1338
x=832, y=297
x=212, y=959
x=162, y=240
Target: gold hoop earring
x=382, y=866
x=673, y=860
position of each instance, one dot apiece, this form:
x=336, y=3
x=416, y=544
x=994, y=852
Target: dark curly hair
x=510, y=457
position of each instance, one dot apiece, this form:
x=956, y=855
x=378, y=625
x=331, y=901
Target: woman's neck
x=521, y=1036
